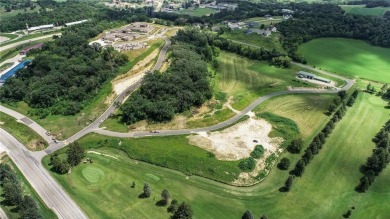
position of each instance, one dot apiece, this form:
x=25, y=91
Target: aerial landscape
x=204, y=109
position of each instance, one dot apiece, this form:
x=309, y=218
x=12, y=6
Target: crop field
x=326, y=189
x=307, y=110
x=11, y=211
x=353, y=58
x=362, y=10
x=271, y=42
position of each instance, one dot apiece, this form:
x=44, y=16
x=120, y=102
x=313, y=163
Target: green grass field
x=11, y=211
x=307, y=110
x=362, y=10
x=348, y=57
x=4, y=14
x=22, y=132
x=271, y=42
x=9, y=35
x=246, y=80
x=197, y=12
x=326, y=189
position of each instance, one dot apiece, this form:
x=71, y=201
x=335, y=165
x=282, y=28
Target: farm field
x=364, y=60
x=271, y=42
x=326, y=189
x=27, y=190
x=362, y=10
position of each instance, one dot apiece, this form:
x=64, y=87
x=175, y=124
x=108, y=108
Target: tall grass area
x=326, y=189
x=353, y=58
x=11, y=211
x=23, y=133
x=307, y=110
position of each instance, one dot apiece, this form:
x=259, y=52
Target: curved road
x=52, y=193
x=2, y=48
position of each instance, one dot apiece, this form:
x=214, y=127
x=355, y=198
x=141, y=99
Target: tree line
x=379, y=159
x=185, y=84
x=13, y=194
x=317, y=142
x=64, y=76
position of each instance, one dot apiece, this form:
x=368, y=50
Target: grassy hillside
x=348, y=57
x=326, y=189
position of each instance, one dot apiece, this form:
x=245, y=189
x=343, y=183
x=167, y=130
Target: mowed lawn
x=307, y=110
x=326, y=189
x=348, y=57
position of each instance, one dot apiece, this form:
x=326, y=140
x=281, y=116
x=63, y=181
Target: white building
x=74, y=23
x=42, y=27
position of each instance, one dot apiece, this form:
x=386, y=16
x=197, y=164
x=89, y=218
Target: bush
x=295, y=146
x=284, y=163
x=258, y=152
x=247, y=164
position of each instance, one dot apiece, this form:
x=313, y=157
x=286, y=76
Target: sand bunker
x=238, y=141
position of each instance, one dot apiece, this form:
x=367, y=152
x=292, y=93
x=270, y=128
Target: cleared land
x=326, y=189
x=362, y=10
x=349, y=57
x=271, y=42
x=11, y=211
x=22, y=132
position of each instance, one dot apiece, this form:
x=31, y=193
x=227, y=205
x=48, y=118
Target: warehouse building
x=303, y=74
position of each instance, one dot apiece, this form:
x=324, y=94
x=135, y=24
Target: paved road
x=2, y=48
x=48, y=189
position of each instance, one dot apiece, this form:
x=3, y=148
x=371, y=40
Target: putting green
x=93, y=174
x=152, y=177
x=348, y=57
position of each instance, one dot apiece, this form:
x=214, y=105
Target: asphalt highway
x=48, y=189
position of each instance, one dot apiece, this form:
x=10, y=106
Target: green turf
x=23, y=133
x=11, y=211
x=4, y=14
x=362, y=10
x=326, y=189
x=92, y=174
x=197, y=12
x=270, y=43
x=348, y=57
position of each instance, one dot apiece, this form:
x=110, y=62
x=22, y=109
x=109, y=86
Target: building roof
x=76, y=22
x=313, y=76
x=40, y=27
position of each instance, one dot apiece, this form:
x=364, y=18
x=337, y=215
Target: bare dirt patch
x=238, y=141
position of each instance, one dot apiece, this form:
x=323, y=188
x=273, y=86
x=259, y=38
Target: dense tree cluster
x=258, y=152
x=284, y=163
x=183, y=85
x=379, y=159
x=247, y=164
x=13, y=194
x=183, y=211
x=75, y=154
x=64, y=75
x=319, y=140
